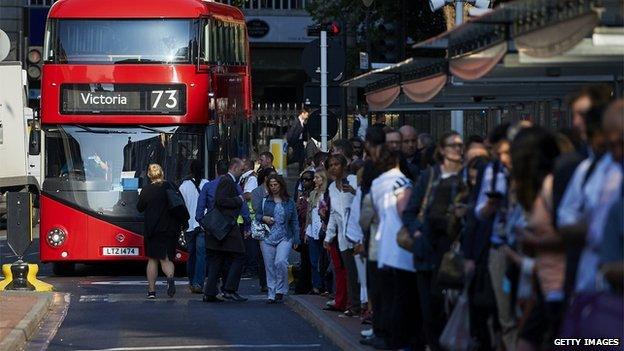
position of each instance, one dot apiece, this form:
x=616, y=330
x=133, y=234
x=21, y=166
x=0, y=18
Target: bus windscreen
x=133, y=41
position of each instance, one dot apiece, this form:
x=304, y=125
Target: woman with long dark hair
x=426, y=219
x=341, y=194
x=279, y=212
x=533, y=155
x=315, y=226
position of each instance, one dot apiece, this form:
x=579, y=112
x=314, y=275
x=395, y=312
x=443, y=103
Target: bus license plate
x=120, y=251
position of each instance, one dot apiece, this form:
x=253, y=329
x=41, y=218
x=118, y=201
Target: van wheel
x=63, y=269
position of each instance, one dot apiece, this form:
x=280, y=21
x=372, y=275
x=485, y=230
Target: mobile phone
x=494, y=194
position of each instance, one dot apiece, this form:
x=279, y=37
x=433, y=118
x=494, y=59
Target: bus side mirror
x=34, y=140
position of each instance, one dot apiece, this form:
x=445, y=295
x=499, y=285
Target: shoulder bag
x=259, y=230
x=405, y=239
x=176, y=205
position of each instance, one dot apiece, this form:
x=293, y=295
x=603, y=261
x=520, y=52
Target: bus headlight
x=56, y=237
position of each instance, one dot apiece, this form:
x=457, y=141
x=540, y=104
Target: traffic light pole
x=457, y=117
x=324, y=91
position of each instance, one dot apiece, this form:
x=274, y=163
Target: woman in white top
x=341, y=193
x=316, y=224
x=390, y=195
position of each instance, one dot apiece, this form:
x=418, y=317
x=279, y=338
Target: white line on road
x=213, y=346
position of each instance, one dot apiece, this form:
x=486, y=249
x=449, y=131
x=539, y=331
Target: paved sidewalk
x=20, y=315
x=342, y=330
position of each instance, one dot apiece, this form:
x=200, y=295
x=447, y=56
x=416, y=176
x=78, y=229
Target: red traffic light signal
x=332, y=28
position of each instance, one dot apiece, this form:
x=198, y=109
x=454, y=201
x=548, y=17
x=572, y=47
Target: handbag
x=456, y=334
x=259, y=230
x=451, y=272
x=405, y=239
x=177, y=206
x=217, y=224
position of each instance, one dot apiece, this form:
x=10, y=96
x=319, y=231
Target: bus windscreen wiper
x=100, y=131
x=138, y=60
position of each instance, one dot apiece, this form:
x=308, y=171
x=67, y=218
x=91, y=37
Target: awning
x=559, y=38
x=507, y=55
x=476, y=65
x=423, y=90
x=381, y=99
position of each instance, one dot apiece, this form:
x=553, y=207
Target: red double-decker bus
x=126, y=84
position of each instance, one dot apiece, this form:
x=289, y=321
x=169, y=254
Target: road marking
x=112, y=298
x=93, y=298
x=211, y=346
x=134, y=282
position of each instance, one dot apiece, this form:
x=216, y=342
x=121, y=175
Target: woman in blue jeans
x=315, y=226
x=279, y=212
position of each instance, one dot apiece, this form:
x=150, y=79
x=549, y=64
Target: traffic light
x=332, y=28
x=34, y=65
x=386, y=48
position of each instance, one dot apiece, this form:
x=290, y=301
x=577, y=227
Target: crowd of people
x=514, y=233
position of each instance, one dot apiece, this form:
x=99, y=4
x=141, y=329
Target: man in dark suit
x=230, y=250
x=297, y=134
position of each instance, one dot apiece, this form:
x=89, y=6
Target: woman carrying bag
x=162, y=228
x=279, y=212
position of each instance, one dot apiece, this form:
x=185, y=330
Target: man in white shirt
x=360, y=124
x=195, y=237
x=249, y=180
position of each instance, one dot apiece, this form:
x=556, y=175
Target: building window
x=225, y=43
x=40, y=2
x=266, y=4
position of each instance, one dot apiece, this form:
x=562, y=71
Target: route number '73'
x=172, y=101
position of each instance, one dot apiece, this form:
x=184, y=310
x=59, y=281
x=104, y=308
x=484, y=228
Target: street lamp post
x=324, y=91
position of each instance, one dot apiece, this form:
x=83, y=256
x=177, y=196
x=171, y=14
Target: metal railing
x=270, y=121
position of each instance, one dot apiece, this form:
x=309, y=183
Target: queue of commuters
x=463, y=244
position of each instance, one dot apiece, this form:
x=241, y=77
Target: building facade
x=277, y=34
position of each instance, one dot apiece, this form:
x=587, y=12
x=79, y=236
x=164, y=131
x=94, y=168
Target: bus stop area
x=22, y=313
x=523, y=56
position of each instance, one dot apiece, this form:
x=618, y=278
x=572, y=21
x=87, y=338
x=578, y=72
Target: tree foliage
x=420, y=22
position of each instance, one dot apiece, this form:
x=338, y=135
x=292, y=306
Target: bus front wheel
x=63, y=268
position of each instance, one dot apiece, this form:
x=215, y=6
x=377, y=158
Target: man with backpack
x=195, y=236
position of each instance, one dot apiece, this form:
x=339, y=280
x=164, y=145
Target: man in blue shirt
x=608, y=194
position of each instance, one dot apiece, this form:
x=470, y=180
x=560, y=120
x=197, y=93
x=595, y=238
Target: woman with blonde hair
x=315, y=226
x=161, y=229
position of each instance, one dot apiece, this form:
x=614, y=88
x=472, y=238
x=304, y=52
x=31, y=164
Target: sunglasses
x=307, y=179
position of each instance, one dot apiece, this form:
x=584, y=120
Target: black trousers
x=385, y=284
x=299, y=155
x=406, y=312
x=353, y=286
x=431, y=307
x=230, y=263
x=304, y=281
x=375, y=288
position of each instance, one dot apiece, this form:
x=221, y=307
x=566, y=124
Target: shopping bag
x=456, y=334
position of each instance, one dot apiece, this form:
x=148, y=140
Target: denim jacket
x=290, y=211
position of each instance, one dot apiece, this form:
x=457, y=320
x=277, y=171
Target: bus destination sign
x=123, y=99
